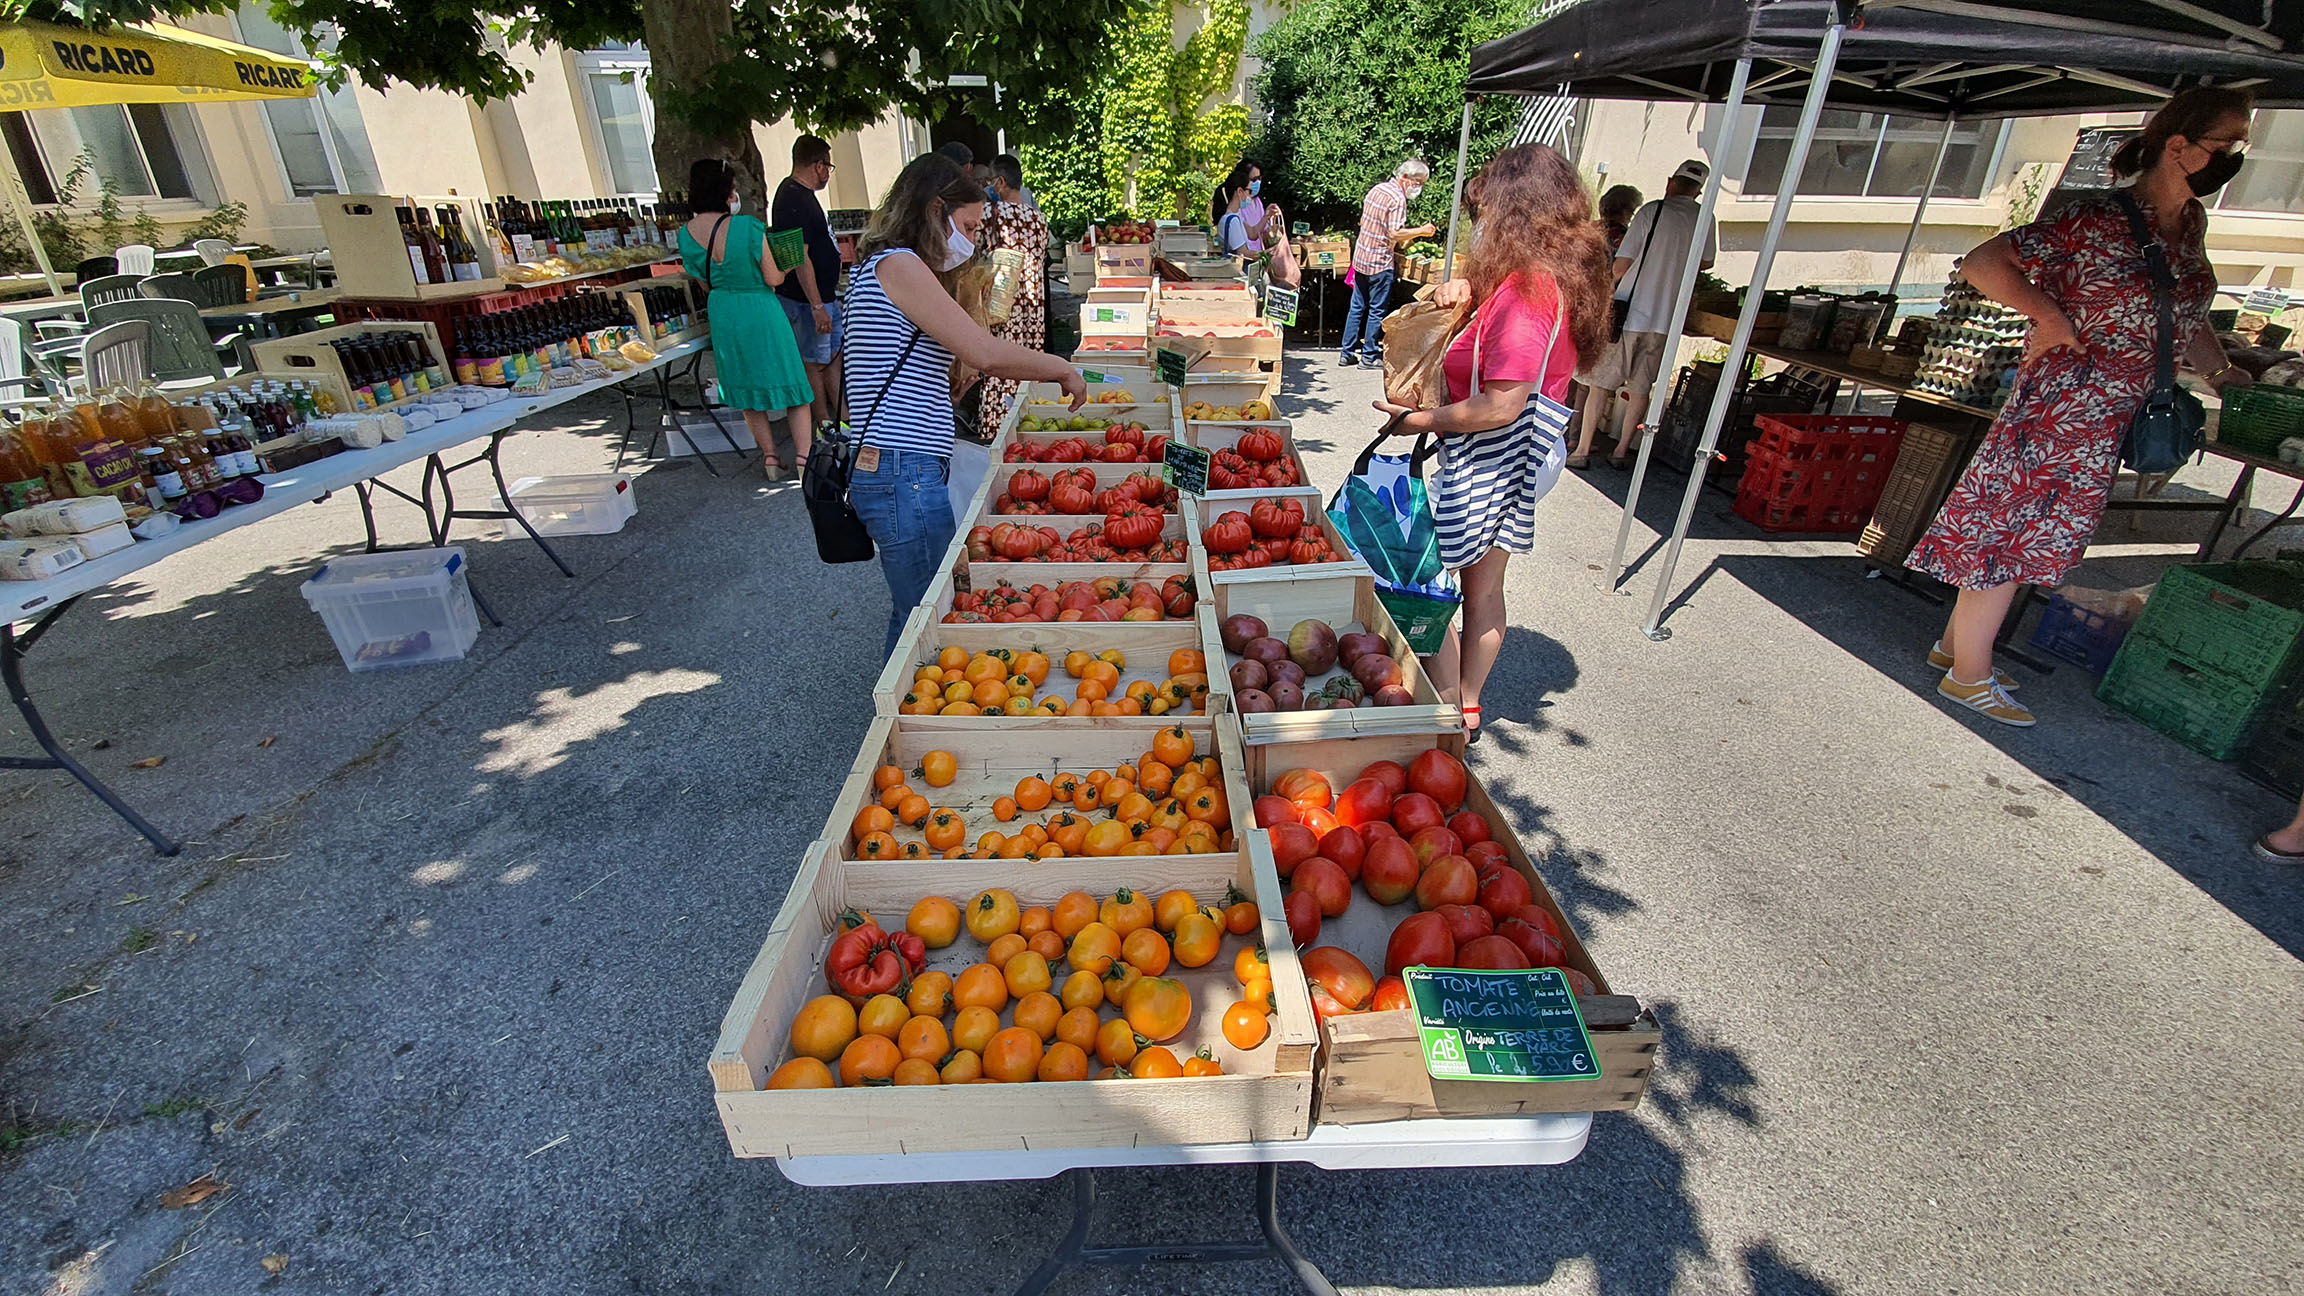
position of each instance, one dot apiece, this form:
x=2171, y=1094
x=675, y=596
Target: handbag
x=1620, y=308
x=1416, y=339
x=2171, y=425
x=1384, y=513
x=840, y=534
x=708, y=239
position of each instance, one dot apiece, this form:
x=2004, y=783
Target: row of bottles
x=669, y=310
x=137, y=447
x=381, y=368
x=501, y=348
x=546, y=228
x=438, y=253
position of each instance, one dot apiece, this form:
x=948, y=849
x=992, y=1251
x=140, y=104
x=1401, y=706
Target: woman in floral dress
x=2025, y=509
x=1011, y=224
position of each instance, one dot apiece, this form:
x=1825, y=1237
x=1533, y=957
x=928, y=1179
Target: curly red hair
x=1536, y=222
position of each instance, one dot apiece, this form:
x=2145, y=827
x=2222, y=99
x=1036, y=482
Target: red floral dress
x=2031, y=498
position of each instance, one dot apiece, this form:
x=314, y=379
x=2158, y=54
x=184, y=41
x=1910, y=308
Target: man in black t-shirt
x=808, y=296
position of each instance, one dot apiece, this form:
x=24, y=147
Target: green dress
x=752, y=347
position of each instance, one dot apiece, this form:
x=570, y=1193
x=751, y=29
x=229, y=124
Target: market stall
x=1939, y=59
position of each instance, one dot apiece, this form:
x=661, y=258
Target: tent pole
x=1456, y=203
x=1896, y=281
x=1722, y=139
x=20, y=203
x=1731, y=371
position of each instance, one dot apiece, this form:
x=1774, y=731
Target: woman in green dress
x=752, y=348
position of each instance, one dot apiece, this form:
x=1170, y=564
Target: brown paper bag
x=1416, y=339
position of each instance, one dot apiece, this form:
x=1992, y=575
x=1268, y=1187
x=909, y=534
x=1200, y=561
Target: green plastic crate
x=2204, y=709
x=2257, y=419
x=2242, y=619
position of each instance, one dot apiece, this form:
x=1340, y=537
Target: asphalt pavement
x=1947, y=1007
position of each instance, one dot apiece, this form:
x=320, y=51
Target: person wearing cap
x=1648, y=266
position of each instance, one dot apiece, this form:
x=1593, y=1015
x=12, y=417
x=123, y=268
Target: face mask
x=957, y=246
x=1413, y=191
x=1255, y=187
x=2217, y=174
x=735, y=204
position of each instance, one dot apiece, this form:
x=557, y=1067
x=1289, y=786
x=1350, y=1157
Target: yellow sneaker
x=1942, y=661
x=1988, y=699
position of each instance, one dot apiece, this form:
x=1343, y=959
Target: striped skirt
x=1489, y=482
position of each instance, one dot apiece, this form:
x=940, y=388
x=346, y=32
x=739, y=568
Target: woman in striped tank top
x=1539, y=271
x=905, y=337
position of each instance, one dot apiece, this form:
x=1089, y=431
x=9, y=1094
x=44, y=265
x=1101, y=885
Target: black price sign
x=1188, y=468
x=1514, y=1026
x=1170, y=366
x=1280, y=305
x=1299, y=228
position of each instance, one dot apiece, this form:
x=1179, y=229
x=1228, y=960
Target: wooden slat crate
x=1373, y=1066
x=1123, y=260
x=960, y=573
x=308, y=356
x=1199, y=303
x=1213, y=435
x=1280, y=605
x=371, y=257
x=1208, y=393
x=1338, y=576
x=1146, y=645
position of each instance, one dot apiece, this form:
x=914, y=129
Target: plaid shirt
x=1383, y=214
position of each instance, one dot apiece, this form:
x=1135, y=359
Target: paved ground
x=1948, y=1008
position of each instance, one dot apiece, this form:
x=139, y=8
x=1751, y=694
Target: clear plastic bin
x=396, y=609
x=598, y=504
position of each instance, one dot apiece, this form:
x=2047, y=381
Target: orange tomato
x=1046, y=944
x=801, y=1073
x=973, y=1027
x=981, y=668
x=916, y=1071
x=1004, y=949
x=1187, y=782
x=878, y=845
x=1013, y=1056
x=1069, y=831
x=1245, y=1026
x=1082, y=989
x=939, y=768
x=935, y=920
x=1139, y=848
x=882, y=1015
x=1187, y=661
x=1064, y=786
x=1200, y=1064
x=886, y=777
x=1074, y=911
x=1198, y=939
x=1084, y=797
x=963, y=1066
x=1025, y=972
x=1117, y=979
x=1075, y=662
x=1252, y=964
x=1158, y=1008
x=912, y=810
x=1096, y=777
x=1146, y=951
x=1032, y=793
x=1063, y=1061
x=981, y=986
x=1017, y=847
x=1124, y=910
x=963, y=707
x=1115, y=1043
x=1208, y=806
x=1240, y=917
x=1106, y=709
x=1156, y=1063
x=1039, y=1012
x=913, y=850
x=1031, y=922
x=952, y=658
x=931, y=995
x=924, y=1037
x=1159, y=839
x=1114, y=792
x=871, y=819
x=823, y=1027
x=1172, y=746
x=1257, y=994
x=1102, y=672
x=945, y=829
x=1004, y=809
x=1154, y=778
x=1034, y=667
x=990, y=693
x=1078, y=1027
x=1172, y=908
x=988, y=845
x=868, y=1057
x=892, y=797
x=992, y=914
x=1169, y=814
x=1094, y=949
x=1106, y=838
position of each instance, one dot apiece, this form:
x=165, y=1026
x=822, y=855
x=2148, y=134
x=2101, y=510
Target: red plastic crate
x=1817, y=472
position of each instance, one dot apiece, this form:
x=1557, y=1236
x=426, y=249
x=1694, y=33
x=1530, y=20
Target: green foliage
x=71, y=235
x=1350, y=87
x=223, y=223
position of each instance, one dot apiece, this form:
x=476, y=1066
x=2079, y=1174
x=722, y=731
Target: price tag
x=2265, y=301
x=1299, y=228
x=1280, y=305
x=1096, y=376
x=1170, y=366
x=1508, y=1026
x=1188, y=468
x=1106, y=314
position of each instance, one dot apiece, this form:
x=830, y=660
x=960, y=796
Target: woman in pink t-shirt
x=1539, y=271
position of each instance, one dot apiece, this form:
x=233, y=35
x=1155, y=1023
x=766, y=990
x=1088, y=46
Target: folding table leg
x=12, y=650
x=1074, y=1249
x=671, y=420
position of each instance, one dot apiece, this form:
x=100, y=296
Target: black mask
x=2217, y=174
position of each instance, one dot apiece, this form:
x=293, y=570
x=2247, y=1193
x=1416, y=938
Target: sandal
x=771, y=468
x=2270, y=854
x=1472, y=726
x=1579, y=462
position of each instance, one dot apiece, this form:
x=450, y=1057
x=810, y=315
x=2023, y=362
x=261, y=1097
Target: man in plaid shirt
x=1384, y=230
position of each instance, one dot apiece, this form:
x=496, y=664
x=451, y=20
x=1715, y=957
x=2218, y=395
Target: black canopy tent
x=1944, y=59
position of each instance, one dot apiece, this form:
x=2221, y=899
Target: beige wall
x=423, y=140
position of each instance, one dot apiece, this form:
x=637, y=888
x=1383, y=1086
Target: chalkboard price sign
x=1170, y=366
x=1188, y=468
x=1299, y=229
x=1280, y=305
x=1508, y=1026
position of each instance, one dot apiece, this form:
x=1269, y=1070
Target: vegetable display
x=1004, y=682
x=1107, y=598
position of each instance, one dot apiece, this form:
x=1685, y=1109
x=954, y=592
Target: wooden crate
x=1242, y=349
x=309, y=357
x=1373, y=1067
x=1206, y=303
x=1265, y=1096
x=634, y=303
x=962, y=573
x=1280, y=605
x=1176, y=241
x=1208, y=269
x=1146, y=644
x=1337, y=576
x=1115, y=319
x=1125, y=260
x=1212, y=436
x=371, y=258
x=1046, y=400
x=1099, y=373
x=1226, y=391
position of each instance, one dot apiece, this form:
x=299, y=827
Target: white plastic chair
x=212, y=251
x=116, y=354
x=136, y=259
x=17, y=389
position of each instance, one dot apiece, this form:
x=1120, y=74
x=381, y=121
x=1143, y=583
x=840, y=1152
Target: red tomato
x=1469, y=827
x=1380, y=828
x=1415, y=811
x=1536, y=916
x=1480, y=852
x=1432, y=843
x=1504, y=892
x=1391, y=994
x=1272, y=810
x=1421, y=940
x=1450, y=880
x=1467, y=922
x=1324, y=1005
x=1345, y=846
x=1292, y=844
x=1579, y=982
x=1345, y=978
x=1364, y=801
x=1319, y=821
x=1323, y=879
x=1491, y=952
x=1542, y=949
x=1390, y=871
x=1391, y=774
x=1439, y=776
x=1303, y=913
x=1228, y=534
x=1307, y=789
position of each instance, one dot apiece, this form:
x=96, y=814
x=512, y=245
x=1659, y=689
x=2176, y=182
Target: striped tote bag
x=1485, y=496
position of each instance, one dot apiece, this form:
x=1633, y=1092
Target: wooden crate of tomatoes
x=984, y=589
x=1248, y=459
x=999, y=675
x=1394, y=856
x=1282, y=536
x=1303, y=663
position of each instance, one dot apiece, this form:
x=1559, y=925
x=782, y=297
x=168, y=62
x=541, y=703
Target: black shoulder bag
x=840, y=534
x=2171, y=425
x=1620, y=308
x=709, y=239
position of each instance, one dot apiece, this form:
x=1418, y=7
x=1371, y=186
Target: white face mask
x=957, y=246
x=735, y=204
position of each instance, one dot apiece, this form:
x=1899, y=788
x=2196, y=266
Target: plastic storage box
x=396, y=609
x=597, y=504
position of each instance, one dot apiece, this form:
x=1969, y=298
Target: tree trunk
x=686, y=40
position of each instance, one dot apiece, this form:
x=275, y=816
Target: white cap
x=1693, y=170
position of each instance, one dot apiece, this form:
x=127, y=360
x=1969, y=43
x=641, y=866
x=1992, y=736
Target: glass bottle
x=166, y=474
x=23, y=479
x=418, y=263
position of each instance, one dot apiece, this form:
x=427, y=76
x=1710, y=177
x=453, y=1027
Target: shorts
x=815, y=348
x=1630, y=361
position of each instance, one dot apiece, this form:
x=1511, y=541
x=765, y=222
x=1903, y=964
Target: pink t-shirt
x=1512, y=332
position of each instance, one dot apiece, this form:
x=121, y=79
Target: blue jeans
x=1371, y=296
x=903, y=506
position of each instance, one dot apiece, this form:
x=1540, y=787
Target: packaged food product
x=31, y=560
x=65, y=516
x=103, y=540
